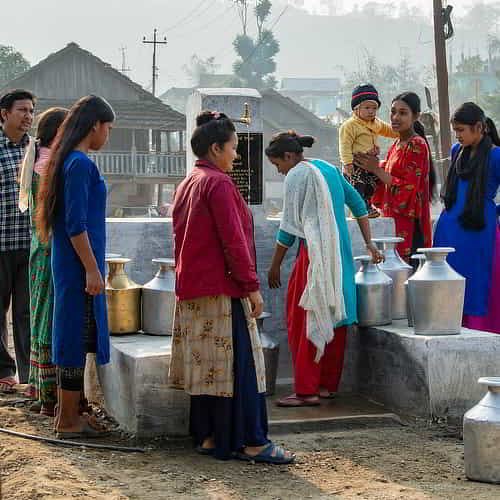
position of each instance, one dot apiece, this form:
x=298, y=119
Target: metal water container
x=110, y=256
x=158, y=300
x=398, y=270
x=373, y=294
x=123, y=299
x=271, y=350
x=409, y=313
x=482, y=435
x=437, y=295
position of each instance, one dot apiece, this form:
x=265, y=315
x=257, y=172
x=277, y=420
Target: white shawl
x=308, y=213
x=26, y=176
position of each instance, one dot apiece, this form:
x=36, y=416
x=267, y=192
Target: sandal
x=204, y=451
x=271, y=454
x=7, y=386
x=48, y=410
x=87, y=432
x=294, y=401
x=327, y=395
x=36, y=407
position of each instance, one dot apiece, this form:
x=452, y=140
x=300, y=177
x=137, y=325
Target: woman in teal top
x=312, y=379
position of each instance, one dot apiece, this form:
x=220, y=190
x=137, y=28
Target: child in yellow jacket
x=359, y=134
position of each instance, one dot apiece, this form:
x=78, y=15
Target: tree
x=12, y=64
x=256, y=63
x=198, y=67
x=473, y=64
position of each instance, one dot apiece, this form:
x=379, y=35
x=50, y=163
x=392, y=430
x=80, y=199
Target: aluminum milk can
x=271, y=351
x=373, y=294
x=123, y=298
x=437, y=295
x=158, y=300
x=409, y=313
x=482, y=435
x=398, y=270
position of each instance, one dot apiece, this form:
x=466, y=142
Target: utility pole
x=124, y=68
x=442, y=84
x=155, y=42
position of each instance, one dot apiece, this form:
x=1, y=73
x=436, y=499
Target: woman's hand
x=376, y=254
x=367, y=162
x=257, y=303
x=348, y=170
x=95, y=284
x=273, y=277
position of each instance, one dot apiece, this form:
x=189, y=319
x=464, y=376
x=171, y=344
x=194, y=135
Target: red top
x=407, y=198
x=213, y=236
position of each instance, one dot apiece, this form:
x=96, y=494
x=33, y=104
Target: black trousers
x=14, y=286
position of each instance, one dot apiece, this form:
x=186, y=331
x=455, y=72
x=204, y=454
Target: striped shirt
x=14, y=226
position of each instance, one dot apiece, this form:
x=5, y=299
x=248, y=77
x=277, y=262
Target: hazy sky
x=204, y=27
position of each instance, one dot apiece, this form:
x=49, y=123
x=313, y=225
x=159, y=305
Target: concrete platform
x=135, y=388
x=134, y=385
x=422, y=375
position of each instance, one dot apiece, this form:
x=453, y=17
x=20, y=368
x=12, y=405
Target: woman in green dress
x=42, y=380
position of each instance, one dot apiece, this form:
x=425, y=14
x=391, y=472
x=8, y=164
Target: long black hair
x=413, y=102
x=47, y=126
x=83, y=115
x=288, y=142
x=472, y=168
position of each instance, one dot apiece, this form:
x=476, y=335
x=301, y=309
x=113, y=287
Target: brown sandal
x=294, y=401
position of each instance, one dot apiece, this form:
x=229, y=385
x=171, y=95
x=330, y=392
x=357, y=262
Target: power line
x=190, y=13
x=207, y=24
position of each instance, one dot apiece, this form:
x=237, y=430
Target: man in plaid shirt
x=16, y=117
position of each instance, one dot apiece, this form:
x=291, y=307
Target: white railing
x=136, y=164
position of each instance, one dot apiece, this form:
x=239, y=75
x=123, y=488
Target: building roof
x=308, y=84
x=72, y=72
x=300, y=110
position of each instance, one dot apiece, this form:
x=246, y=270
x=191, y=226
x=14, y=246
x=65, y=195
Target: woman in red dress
x=406, y=177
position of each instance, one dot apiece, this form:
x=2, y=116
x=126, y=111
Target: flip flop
x=327, y=395
x=266, y=456
x=87, y=432
x=48, y=411
x=204, y=451
x=294, y=401
x=9, y=386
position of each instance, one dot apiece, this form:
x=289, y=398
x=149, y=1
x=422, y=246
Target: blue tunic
x=473, y=257
x=342, y=194
x=82, y=207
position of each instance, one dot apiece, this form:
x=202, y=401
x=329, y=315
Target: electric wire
x=182, y=19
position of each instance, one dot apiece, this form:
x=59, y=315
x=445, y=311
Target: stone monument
x=243, y=106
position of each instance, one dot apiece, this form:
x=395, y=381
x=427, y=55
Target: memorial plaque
x=247, y=168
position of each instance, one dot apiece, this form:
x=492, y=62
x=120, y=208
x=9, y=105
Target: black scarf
x=475, y=170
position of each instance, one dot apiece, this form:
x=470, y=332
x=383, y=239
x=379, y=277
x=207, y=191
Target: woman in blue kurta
x=73, y=208
x=317, y=368
x=468, y=222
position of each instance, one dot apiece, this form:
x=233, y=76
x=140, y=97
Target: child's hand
x=375, y=151
x=348, y=170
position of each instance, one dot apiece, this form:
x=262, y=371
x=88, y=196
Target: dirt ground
x=413, y=461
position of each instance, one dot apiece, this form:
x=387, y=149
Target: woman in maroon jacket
x=216, y=353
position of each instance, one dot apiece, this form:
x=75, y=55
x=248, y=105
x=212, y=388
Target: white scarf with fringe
x=308, y=213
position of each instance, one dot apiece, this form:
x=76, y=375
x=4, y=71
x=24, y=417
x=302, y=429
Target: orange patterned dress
x=407, y=199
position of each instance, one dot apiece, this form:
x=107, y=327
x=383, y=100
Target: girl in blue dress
x=468, y=222
x=72, y=207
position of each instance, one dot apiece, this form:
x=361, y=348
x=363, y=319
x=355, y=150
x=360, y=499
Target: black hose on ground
x=63, y=442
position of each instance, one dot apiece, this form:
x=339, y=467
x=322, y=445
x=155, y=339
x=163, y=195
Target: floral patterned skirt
x=202, y=347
